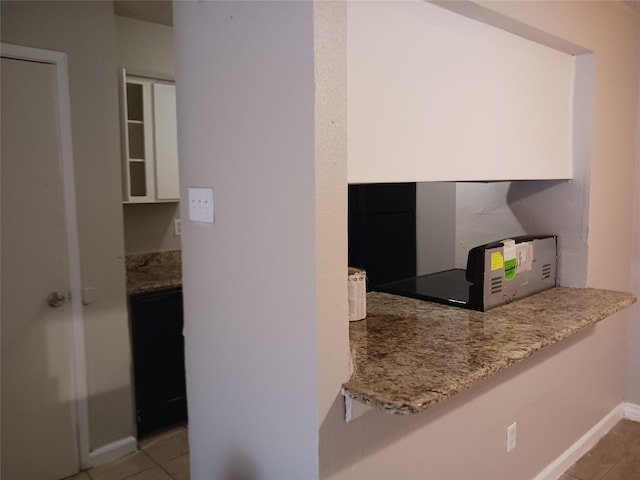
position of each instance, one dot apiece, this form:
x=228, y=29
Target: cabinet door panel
x=166, y=141
x=137, y=139
x=382, y=198
x=386, y=247
x=149, y=140
x=158, y=359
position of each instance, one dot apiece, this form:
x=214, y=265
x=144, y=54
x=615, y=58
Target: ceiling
x=161, y=11
x=155, y=11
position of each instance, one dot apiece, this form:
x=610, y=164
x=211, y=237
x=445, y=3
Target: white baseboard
x=113, y=451
x=555, y=469
x=632, y=412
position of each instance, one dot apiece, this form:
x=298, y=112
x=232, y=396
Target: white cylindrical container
x=357, y=282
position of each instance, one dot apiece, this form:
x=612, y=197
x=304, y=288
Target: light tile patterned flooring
x=165, y=456
x=162, y=456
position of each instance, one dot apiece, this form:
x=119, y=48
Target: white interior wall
x=246, y=126
x=331, y=205
x=573, y=384
x=633, y=332
x=560, y=386
x=433, y=106
x=482, y=215
x=608, y=193
x=435, y=226
x=86, y=31
x=150, y=227
x=491, y=211
x=486, y=212
x=147, y=49
x=554, y=396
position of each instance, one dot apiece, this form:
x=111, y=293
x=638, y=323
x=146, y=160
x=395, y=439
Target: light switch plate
x=201, y=204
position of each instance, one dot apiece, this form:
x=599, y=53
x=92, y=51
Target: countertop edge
x=153, y=272
x=430, y=397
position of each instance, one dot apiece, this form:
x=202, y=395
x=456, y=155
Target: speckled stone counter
x=150, y=272
x=410, y=354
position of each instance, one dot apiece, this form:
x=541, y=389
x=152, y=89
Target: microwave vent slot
x=546, y=271
x=496, y=285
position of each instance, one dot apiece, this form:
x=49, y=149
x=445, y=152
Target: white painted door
x=39, y=421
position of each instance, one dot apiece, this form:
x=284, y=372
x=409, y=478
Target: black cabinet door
x=386, y=247
x=382, y=231
x=382, y=198
x=158, y=359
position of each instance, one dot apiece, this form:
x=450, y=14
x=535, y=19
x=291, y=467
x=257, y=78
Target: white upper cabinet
x=166, y=141
x=436, y=96
x=150, y=147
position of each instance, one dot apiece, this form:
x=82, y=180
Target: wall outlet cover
x=511, y=437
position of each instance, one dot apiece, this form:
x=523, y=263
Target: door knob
x=55, y=299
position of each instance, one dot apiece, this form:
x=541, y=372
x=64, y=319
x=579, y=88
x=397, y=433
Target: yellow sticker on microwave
x=497, y=262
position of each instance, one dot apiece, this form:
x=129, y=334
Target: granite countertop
x=151, y=272
x=408, y=354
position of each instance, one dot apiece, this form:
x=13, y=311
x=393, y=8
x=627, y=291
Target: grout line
x=142, y=471
x=155, y=463
x=143, y=450
x=166, y=471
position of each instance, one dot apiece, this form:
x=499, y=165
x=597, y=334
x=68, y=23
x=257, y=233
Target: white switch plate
x=177, y=227
x=201, y=204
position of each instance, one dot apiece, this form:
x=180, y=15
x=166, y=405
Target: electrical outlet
x=511, y=437
x=177, y=227
x=201, y=205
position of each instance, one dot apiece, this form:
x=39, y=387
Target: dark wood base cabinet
x=158, y=359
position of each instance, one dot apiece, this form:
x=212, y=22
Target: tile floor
x=165, y=456
x=615, y=457
x=162, y=456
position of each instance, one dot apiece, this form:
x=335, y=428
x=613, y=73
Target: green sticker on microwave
x=510, y=268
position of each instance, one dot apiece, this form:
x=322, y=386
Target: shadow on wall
x=476, y=413
x=240, y=466
x=523, y=198
x=558, y=207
